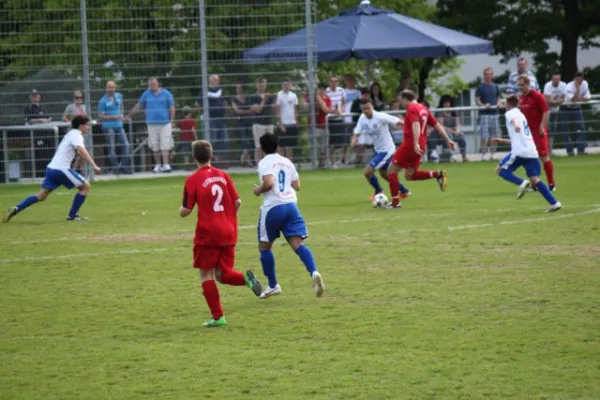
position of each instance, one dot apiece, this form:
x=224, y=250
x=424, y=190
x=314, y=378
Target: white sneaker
x=483, y=157
x=165, y=168
x=156, y=168
x=554, y=207
x=494, y=156
x=318, y=284
x=523, y=188
x=270, y=292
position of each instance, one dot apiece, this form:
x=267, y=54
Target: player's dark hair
x=322, y=86
x=366, y=101
x=408, y=95
x=512, y=100
x=202, y=151
x=78, y=121
x=269, y=143
x=578, y=74
x=556, y=73
x=365, y=90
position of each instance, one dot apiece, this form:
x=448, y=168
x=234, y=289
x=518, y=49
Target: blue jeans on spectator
x=244, y=131
x=112, y=135
x=218, y=135
x=572, y=121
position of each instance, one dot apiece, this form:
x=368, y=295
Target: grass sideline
x=467, y=294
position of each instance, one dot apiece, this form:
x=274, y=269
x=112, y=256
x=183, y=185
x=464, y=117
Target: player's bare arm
x=296, y=185
x=82, y=151
x=500, y=140
x=237, y=204
x=545, y=120
x=184, y=212
x=416, y=130
x=268, y=183
x=515, y=123
x=440, y=129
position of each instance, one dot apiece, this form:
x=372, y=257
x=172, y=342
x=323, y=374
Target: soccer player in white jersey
x=59, y=172
x=523, y=153
x=375, y=126
x=279, y=183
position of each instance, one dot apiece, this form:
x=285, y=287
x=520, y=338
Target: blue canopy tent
x=370, y=33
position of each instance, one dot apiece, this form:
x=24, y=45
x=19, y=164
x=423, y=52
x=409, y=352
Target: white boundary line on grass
x=164, y=249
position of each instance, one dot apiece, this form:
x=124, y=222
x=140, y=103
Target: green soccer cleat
x=11, y=212
x=215, y=323
x=253, y=283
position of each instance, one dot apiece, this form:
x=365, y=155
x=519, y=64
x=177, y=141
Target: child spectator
x=187, y=127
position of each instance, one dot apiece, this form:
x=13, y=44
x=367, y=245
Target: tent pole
x=311, y=81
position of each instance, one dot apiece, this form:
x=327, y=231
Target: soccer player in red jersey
x=408, y=155
x=213, y=191
x=533, y=105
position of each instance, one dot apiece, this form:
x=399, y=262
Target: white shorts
x=160, y=137
x=259, y=130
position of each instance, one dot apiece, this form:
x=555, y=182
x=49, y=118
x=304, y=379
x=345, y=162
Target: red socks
x=394, y=188
x=424, y=175
x=232, y=277
x=549, y=169
x=211, y=294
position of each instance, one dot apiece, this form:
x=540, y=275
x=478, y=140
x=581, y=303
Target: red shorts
x=210, y=257
x=541, y=143
x=406, y=158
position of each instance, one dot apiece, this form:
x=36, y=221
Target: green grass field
x=467, y=294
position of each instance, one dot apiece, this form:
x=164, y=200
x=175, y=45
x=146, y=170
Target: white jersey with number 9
x=284, y=172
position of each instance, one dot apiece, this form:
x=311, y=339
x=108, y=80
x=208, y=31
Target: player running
x=375, y=125
x=523, y=153
x=279, y=213
x=216, y=230
x=408, y=155
x=533, y=105
x=59, y=172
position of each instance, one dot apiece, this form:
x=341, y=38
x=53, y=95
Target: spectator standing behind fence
x=377, y=97
x=111, y=111
x=187, y=129
x=352, y=94
x=216, y=114
x=512, y=87
x=287, y=117
x=74, y=109
x=160, y=114
x=262, y=108
x=337, y=135
x=451, y=123
x=35, y=113
x=487, y=95
x=356, y=110
x=555, y=92
x=578, y=91
x=322, y=108
x=241, y=108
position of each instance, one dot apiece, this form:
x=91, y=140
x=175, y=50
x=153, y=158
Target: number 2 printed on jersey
x=217, y=191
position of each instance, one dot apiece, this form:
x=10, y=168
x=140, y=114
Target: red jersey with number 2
x=213, y=191
x=417, y=113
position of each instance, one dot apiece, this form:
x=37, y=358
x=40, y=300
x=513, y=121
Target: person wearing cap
x=111, y=113
x=187, y=127
x=35, y=113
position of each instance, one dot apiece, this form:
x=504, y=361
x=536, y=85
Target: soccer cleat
x=404, y=195
x=442, y=180
x=165, y=168
x=373, y=196
x=77, y=218
x=11, y=212
x=552, y=187
x=253, y=283
x=392, y=205
x=554, y=207
x=270, y=292
x=156, y=168
x=318, y=284
x=215, y=323
x=523, y=188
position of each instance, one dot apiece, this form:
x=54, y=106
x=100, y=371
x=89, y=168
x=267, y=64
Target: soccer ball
x=380, y=200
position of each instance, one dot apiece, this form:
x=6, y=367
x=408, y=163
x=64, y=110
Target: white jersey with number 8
x=284, y=172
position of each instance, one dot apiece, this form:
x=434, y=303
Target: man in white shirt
x=578, y=91
x=337, y=133
x=376, y=126
x=555, y=92
x=512, y=87
x=523, y=153
x=59, y=172
x=287, y=119
x=279, y=182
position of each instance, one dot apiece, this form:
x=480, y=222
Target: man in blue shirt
x=160, y=114
x=487, y=95
x=111, y=113
x=216, y=115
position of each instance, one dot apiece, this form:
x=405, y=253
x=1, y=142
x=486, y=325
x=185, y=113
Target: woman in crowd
x=241, y=108
x=377, y=97
x=451, y=123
